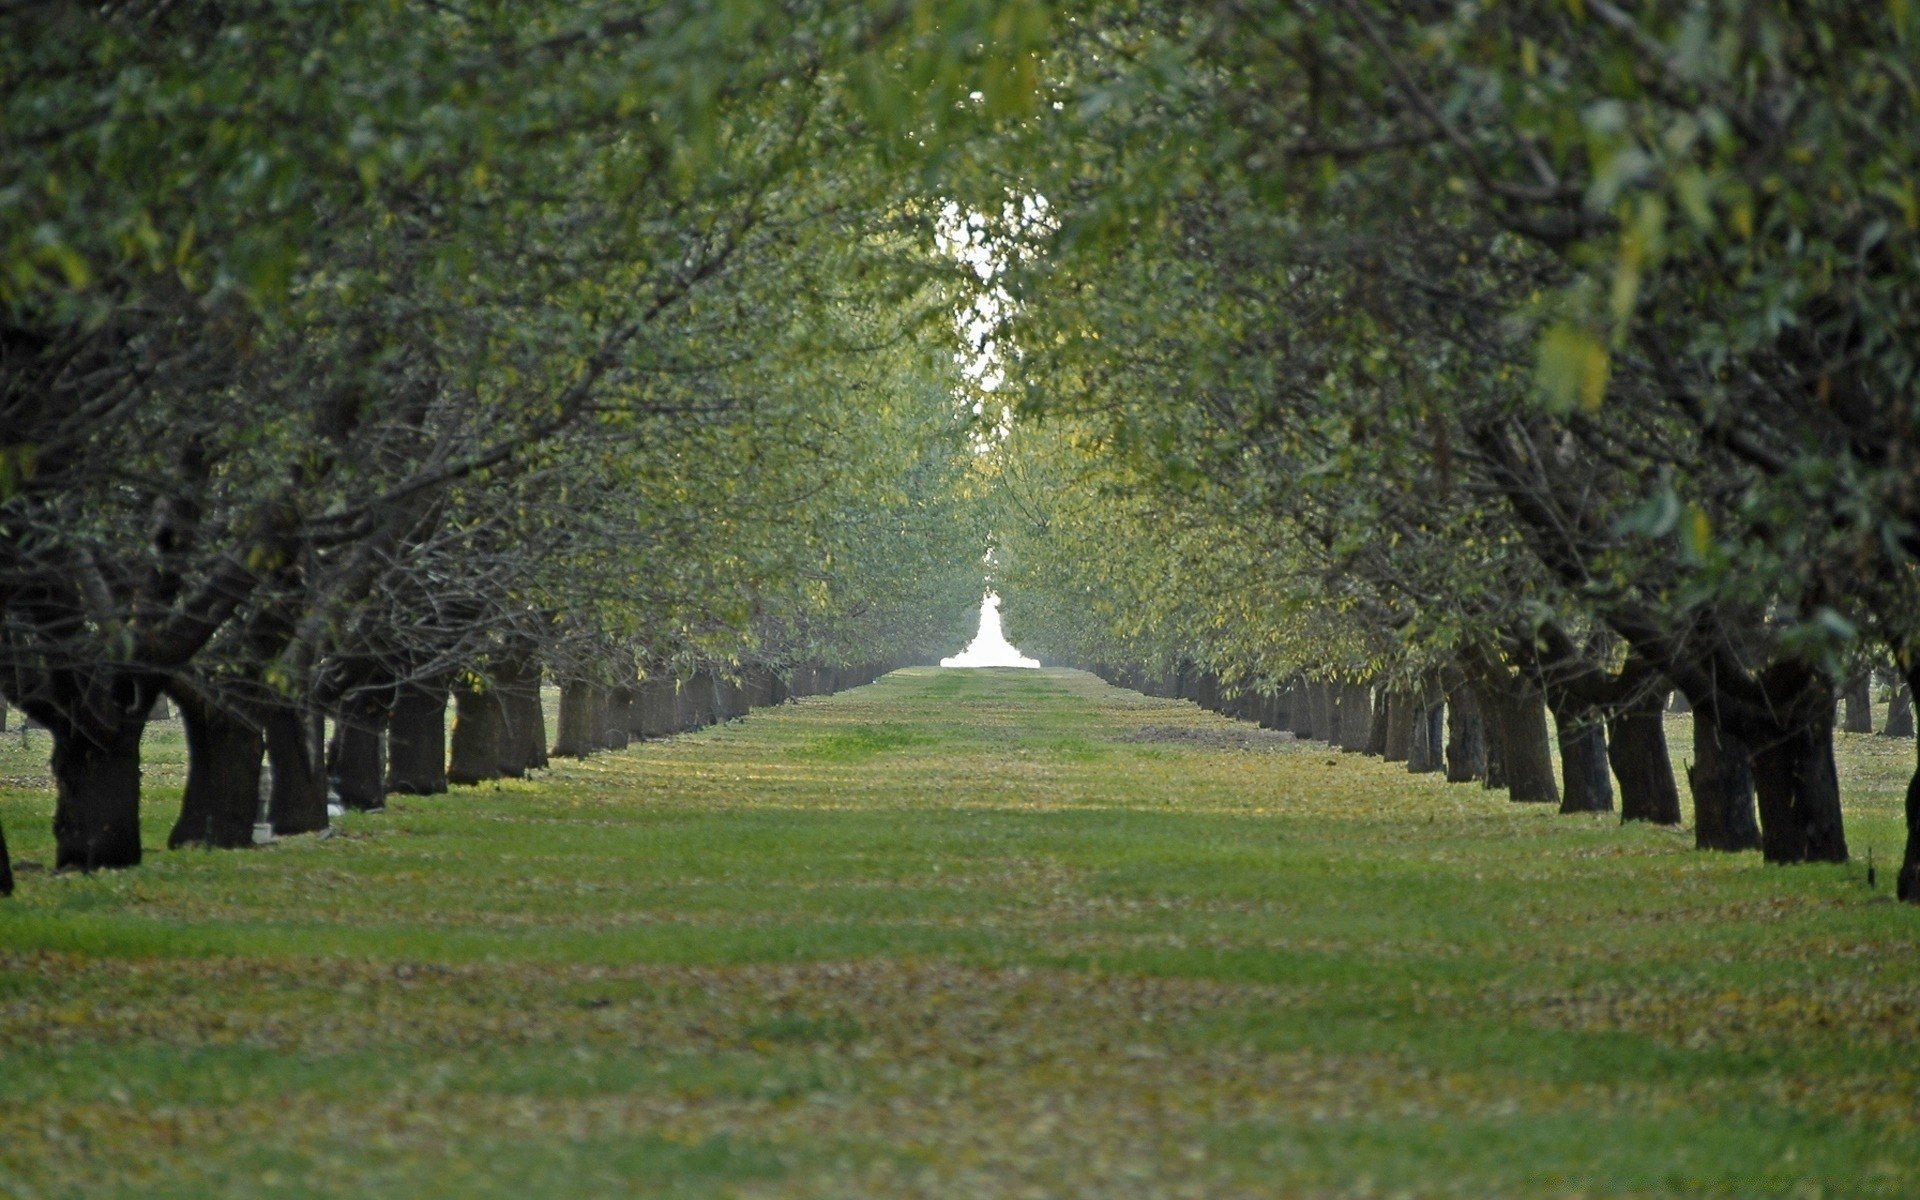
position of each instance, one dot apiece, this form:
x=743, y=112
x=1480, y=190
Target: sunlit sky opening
x=990, y=647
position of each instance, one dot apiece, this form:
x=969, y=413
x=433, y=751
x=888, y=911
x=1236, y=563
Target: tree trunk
x=96, y=813
x=617, y=719
x=1307, y=711
x=96, y=771
x=574, y=738
x=1356, y=717
x=1516, y=716
x=1380, y=722
x=1721, y=780
x=1858, y=697
x=297, y=802
x=1637, y=747
x=222, y=798
x=636, y=713
x=1466, y=735
x=1899, y=713
x=6, y=867
x=1586, y=785
x=1404, y=711
x=1492, y=738
x=702, y=701
x=360, y=759
x=417, y=739
x=1799, y=792
x=479, y=745
x=657, y=696
x=523, y=719
x=1426, y=744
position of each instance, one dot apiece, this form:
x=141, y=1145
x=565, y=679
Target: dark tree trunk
x=1356, y=717
x=1799, y=793
x=1466, y=741
x=1857, y=694
x=1586, y=786
x=479, y=745
x=1721, y=780
x=1426, y=741
x=6, y=867
x=1403, y=713
x=698, y=693
x=732, y=699
x=360, y=759
x=657, y=699
x=1516, y=716
x=1899, y=713
x=1637, y=747
x=1493, y=742
x=524, y=720
x=1309, y=715
x=222, y=798
x=96, y=775
x=617, y=719
x=1378, y=726
x=574, y=738
x=417, y=739
x=297, y=802
x=637, y=714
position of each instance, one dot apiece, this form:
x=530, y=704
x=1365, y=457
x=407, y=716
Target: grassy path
x=962, y=934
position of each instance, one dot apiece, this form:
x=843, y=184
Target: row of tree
x=358, y=357
x=1511, y=359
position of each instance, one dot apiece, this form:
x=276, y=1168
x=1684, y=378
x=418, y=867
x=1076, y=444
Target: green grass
x=951, y=936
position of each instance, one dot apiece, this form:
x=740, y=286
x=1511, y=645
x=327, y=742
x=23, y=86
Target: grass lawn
x=955, y=935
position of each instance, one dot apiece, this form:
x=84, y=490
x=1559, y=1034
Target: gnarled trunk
x=417, y=739
x=1585, y=784
x=1426, y=740
x=1516, y=721
x=1404, y=710
x=1356, y=717
x=658, y=696
x=297, y=802
x=1637, y=748
x=1799, y=792
x=575, y=736
x=1721, y=780
x=1899, y=713
x=524, y=728
x=360, y=758
x=222, y=799
x=699, y=701
x=96, y=772
x=1378, y=726
x=479, y=746
x=1857, y=698
x=617, y=718
x=1466, y=737
x=1306, y=711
